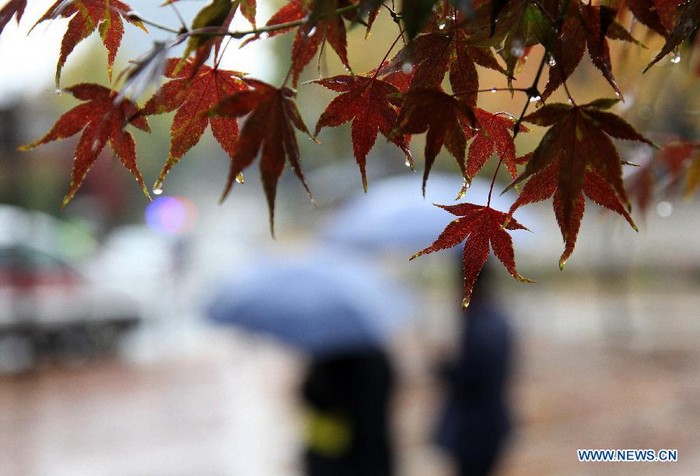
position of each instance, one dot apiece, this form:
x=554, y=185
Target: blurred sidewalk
x=227, y=407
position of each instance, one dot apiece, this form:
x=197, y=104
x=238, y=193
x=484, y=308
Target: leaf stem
x=386, y=56
x=218, y=31
x=532, y=91
x=279, y=26
x=491, y=90
x=179, y=16
x=136, y=16
x=493, y=181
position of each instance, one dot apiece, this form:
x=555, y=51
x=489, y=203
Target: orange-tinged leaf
x=674, y=162
x=14, y=8
x=368, y=103
x=692, y=183
x=248, y=9
x=85, y=17
x=102, y=120
x=481, y=228
x=268, y=130
x=193, y=93
x=443, y=117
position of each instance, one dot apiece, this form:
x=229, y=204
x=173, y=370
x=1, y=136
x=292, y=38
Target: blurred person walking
x=347, y=398
x=476, y=419
x=341, y=310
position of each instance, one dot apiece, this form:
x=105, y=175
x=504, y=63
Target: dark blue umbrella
x=330, y=302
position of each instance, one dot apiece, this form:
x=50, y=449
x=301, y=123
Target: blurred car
x=48, y=309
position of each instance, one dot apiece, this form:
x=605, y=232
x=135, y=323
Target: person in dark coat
x=347, y=398
x=476, y=420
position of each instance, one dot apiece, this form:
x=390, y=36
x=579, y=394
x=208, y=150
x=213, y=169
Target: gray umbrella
x=393, y=215
x=332, y=301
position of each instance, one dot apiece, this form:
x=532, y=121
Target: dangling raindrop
x=551, y=61
x=407, y=162
x=240, y=179
x=517, y=48
x=157, y=189
x=493, y=90
x=463, y=191
x=536, y=98
x=676, y=57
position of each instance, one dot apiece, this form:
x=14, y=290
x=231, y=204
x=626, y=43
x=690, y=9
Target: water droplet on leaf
x=517, y=48
x=463, y=191
x=551, y=61
x=407, y=67
x=676, y=57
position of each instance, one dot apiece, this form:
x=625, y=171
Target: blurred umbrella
x=328, y=303
x=393, y=215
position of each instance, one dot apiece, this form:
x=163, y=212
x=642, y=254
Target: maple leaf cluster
x=428, y=82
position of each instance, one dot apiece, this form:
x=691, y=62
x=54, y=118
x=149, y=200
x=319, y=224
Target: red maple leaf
x=13, y=8
x=369, y=103
x=577, y=156
x=587, y=26
x=193, y=93
x=87, y=16
x=645, y=11
x=272, y=116
x=480, y=227
x=688, y=22
x=430, y=56
x=101, y=120
x=443, y=117
x=494, y=135
x=569, y=208
x=322, y=24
